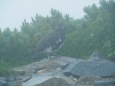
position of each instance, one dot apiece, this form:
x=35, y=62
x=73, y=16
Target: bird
x=50, y=43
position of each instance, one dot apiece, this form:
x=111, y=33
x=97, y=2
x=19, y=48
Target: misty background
x=13, y=12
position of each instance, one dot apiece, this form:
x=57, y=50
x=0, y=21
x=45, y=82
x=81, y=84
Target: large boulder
x=48, y=64
x=54, y=82
x=49, y=79
x=90, y=68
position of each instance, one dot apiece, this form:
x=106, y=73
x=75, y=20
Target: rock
x=89, y=78
x=81, y=85
x=54, y=82
x=95, y=56
x=26, y=78
x=49, y=64
x=52, y=66
x=48, y=78
x=63, y=60
x=14, y=83
x=91, y=68
x=37, y=79
x=11, y=83
x=1, y=84
x=18, y=82
x=51, y=72
x=20, y=72
x=18, y=77
x=42, y=71
x=2, y=80
x=10, y=78
x=58, y=69
x=105, y=83
x=13, y=80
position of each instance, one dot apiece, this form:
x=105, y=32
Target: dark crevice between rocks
x=68, y=74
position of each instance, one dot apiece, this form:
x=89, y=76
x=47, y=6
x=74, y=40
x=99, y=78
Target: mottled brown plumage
x=51, y=42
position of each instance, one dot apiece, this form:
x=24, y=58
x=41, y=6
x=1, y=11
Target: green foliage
x=94, y=32
x=3, y=67
x=92, y=12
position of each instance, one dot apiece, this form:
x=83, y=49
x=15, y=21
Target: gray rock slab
x=54, y=82
x=45, y=63
x=91, y=68
x=49, y=79
x=37, y=79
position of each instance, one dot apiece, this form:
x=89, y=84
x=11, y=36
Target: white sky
x=13, y=12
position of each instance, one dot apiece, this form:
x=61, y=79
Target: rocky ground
x=63, y=71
